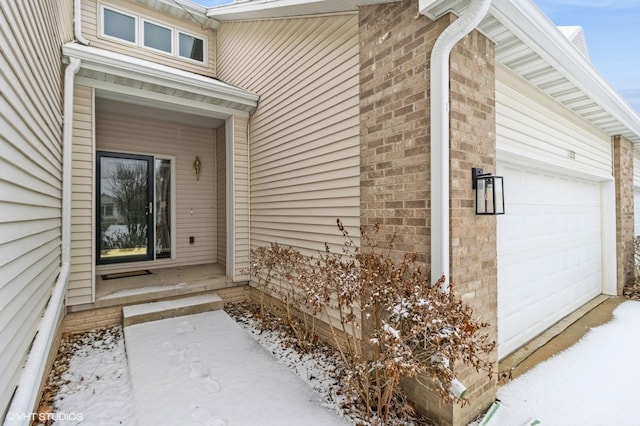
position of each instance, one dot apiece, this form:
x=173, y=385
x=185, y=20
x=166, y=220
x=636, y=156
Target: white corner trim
x=129, y=67
x=608, y=226
x=230, y=199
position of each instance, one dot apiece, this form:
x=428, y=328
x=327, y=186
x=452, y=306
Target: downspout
x=26, y=396
x=468, y=20
x=77, y=23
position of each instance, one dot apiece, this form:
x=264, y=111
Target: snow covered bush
x=397, y=324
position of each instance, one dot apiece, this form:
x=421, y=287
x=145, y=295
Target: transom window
x=140, y=31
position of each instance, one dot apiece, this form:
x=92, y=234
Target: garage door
x=549, y=252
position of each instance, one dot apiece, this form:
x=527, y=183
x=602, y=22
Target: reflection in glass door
x=125, y=208
x=163, y=208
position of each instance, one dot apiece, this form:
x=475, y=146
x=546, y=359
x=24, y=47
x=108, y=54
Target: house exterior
x=149, y=134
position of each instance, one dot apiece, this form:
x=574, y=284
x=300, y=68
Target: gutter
x=439, y=112
x=26, y=397
x=77, y=23
x=528, y=23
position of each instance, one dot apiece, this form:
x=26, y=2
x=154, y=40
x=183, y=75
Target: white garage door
x=549, y=252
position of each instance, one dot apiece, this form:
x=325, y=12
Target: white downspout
x=77, y=23
x=26, y=396
x=468, y=20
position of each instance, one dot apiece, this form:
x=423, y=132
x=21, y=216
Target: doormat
x=117, y=275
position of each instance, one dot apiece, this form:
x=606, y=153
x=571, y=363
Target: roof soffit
x=104, y=65
x=530, y=45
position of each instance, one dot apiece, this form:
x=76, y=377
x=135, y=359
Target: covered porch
x=160, y=181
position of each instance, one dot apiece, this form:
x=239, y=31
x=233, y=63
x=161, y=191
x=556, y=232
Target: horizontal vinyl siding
x=530, y=124
x=120, y=133
x=30, y=173
x=221, y=179
x=241, y=199
x=91, y=31
x=305, y=132
x=80, y=289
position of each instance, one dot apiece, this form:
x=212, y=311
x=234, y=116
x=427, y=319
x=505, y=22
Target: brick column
x=623, y=174
x=395, y=47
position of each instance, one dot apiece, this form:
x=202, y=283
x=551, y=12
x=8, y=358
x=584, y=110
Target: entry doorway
x=133, y=220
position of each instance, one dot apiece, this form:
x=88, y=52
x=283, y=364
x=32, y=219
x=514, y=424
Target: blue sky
x=612, y=31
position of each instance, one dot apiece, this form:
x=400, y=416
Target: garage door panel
x=549, y=252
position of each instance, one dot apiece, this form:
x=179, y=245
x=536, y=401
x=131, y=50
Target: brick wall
x=623, y=174
x=394, y=123
x=396, y=44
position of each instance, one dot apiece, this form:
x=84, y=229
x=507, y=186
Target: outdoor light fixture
x=489, y=192
x=196, y=167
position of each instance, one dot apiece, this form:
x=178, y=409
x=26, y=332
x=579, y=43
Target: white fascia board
x=126, y=66
x=525, y=20
x=280, y=8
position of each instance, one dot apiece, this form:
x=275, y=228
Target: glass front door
x=125, y=222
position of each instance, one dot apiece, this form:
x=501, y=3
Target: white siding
x=196, y=209
x=80, y=289
x=30, y=173
x=531, y=125
x=305, y=132
x=91, y=31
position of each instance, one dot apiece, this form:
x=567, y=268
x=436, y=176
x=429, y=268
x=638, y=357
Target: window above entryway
x=139, y=31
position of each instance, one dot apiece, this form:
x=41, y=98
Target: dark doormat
x=117, y=275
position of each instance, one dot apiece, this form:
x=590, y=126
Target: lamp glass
x=481, y=207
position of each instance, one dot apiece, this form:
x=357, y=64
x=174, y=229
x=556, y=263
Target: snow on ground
x=204, y=369
x=96, y=388
x=594, y=382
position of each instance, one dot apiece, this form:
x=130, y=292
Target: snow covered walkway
x=593, y=383
x=204, y=369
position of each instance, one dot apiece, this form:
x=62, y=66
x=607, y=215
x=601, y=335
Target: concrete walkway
x=561, y=336
x=204, y=369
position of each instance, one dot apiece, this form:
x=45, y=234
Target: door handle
x=150, y=208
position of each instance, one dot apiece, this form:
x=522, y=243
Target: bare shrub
x=397, y=324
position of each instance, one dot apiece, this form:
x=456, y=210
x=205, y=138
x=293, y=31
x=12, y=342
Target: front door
x=124, y=207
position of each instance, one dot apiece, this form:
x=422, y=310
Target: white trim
x=172, y=49
x=139, y=21
x=608, y=227
x=114, y=38
x=205, y=46
x=93, y=193
x=139, y=69
x=525, y=20
x=142, y=97
x=230, y=199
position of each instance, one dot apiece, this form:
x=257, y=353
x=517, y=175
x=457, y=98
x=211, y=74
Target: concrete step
x=153, y=311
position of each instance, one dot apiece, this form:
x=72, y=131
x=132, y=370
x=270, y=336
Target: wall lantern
x=489, y=192
x=196, y=167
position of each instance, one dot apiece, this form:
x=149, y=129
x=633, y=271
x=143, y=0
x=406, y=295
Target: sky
x=612, y=31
